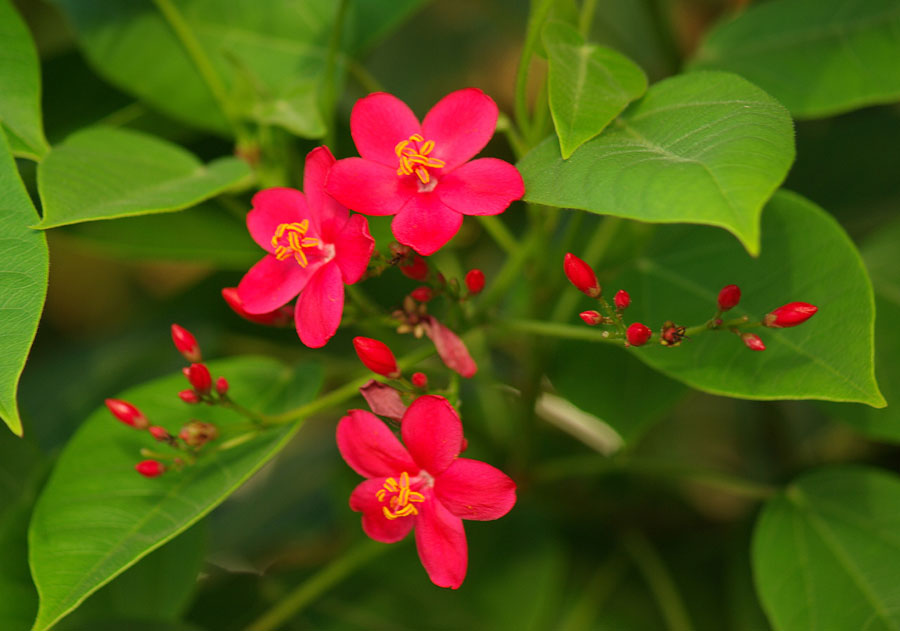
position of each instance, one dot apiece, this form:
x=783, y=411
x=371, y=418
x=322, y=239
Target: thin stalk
x=516, y=142
x=586, y=18
x=362, y=300
x=329, y=98
x=539, y=13
x=659, y=580
x=363, y=77
x=565, y=331
x=583, y=614
x=499, y=232
x=123, y=116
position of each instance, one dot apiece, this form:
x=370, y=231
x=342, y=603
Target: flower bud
x=281, y=316
x=150, y=468
x=753, y=342
x=199, y=377
x=127, y=413
x=419, y=380
x=729, y=297
x=222, y=386
x=417, y=269
x=159, y=433
x=450, y=347
x=422, y=294
x=581, y=275
x=671, y=334
x=186, y=343
x=638, y=334
x=189, y=396
x=791, y=314
x=376, y=356
x=475, y=281
x=198, y=433
x=622, y=300
x=591, y=318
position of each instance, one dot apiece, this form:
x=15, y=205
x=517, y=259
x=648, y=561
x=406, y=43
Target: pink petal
x=320, y=307
x=441, y=542
x=425, y=224
x=330, y=215
x=370, y=448
x=432, y=432
x=450, y=347
x=353, y=249
x=383, y=399
x=460, y=125
x=378, y=122
x=271, y=283
x=374, y=523
x=471, y=489
x=481, y=187
x=368, y=187
x=272, y=207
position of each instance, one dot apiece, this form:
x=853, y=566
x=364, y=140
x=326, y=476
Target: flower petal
x=485, y=186
x=374, y=523
x=368, y=187
x=377, y=123
x=441, y=542
x=370, y=448
x=353, y=249
x=329, y=214
x=432, y=432
x=471, y=489
x=320, y=307
x=450, y=347
x=271, y=283
x=460, y=125
x=272, y=207
x=383, y=400
x=426, y=224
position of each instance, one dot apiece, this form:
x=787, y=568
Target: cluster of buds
x=197, y=374
x=583, y=277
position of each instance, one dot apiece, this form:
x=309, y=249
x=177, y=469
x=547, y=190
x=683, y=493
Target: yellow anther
x=414, y=158
x=401, y=504
x=295, y=233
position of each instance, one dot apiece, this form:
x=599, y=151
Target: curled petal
x=377, y=123
x=327, y=214
x=426, y=224
x=441, y=542
x=450, y=347
x=320, y=306
x=383, y=399
x=460, y=124
x=471, y=489
x=353, y=249
x=481, y=187
x=432, y=432
x=374, y=523
x=368, y=187
x=272, y=207
x=271, y=283
x=370, y=448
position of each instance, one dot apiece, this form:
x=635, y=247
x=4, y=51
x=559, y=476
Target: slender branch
x=499, y=232
x=565, y=331
x=363, y=77
x=660, y=582
x=536, y=21
x=586, y=18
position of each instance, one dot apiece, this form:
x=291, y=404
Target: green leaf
x=589, y=85
x=24, y=262
x=826, y=552
x=96, y=517
x=20, y=76
x=806, y=256
x=818, y=57
x=105, y=173
x=707, y=148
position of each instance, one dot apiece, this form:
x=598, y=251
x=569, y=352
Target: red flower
x=423, y=173
x=425, y=485
x=315, y=247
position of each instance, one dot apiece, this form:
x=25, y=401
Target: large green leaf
x=96, y=516
x=818, y=57
x=589, y=85
x=104, y=173
x=806, y=256
x=826, y=552
x=707, y=148
x=20, y=78
x=24, y=264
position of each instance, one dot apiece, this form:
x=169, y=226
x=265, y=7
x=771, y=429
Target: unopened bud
x=199, y=377
x=376, y=356
x=475, y=281
x=419, y=380
x=422, y=294
x=791, y=314
x=591, y=318
x=581, y=275
x=671, y=334
x=638, y=334
x=186, y=343
x=417, y=269
x=622, y=300
x=729, y=297
x=150, y=468
x=222, y=386
x=198, y=433
x=279, y=317
x=127, y=413
x=159, y=433
x=189, y=396
x=753, y=342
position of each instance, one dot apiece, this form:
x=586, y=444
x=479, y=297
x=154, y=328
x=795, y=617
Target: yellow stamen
x=414, y=158
x=401, y=504
x=296, y=242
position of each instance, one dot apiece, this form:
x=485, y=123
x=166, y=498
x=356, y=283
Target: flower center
x=290, y=239
x=398, y=497
x=413, y=154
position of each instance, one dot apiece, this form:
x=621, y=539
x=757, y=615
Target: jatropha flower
x=423, y=173
x=315, y=247
x=425, y=485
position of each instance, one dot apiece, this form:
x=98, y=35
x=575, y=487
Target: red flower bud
x=638, y=334
x=383, y=399
x=419, y=380
x=753, y=342
x=591, y=318
x=422, y=294
x=475, y=281
x=791, y=314
x=581, y=275
x=376, y=356
x=622, y=300
x=159, y=433
x=280, y=317
x=199, y=377
x=222, y=386
x=417, y=269
x=127, y=413
x=198, y=433
x=729, y=297
x=150, y=468
x=186, y=343
x=189, y=396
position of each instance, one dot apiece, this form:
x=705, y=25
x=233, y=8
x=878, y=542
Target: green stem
x=586, y=18
x=660, y=582
x=316, y=585
x=565, y=331
x=363, y=77
x=329, y=97
x=533, y=32
x=362, y=300
x=499, y=232
x=506, y=126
